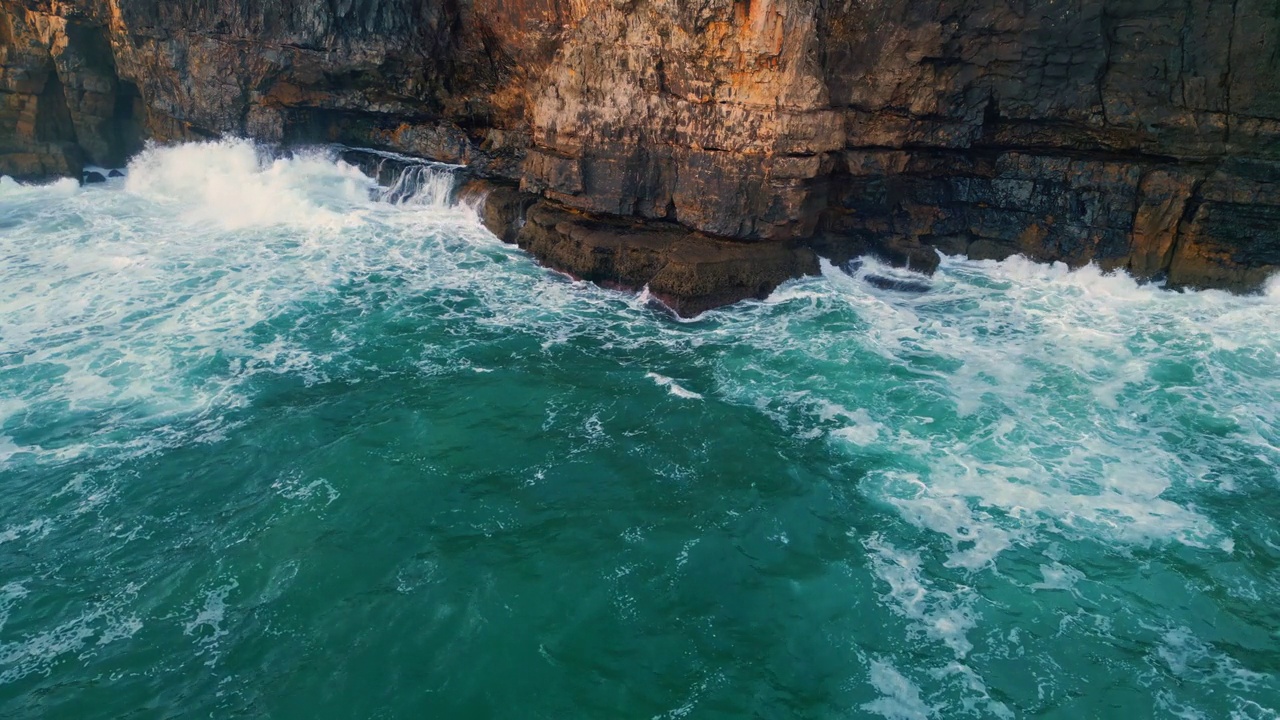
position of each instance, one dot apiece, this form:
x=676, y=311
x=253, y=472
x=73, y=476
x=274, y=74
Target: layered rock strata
x=709, y=147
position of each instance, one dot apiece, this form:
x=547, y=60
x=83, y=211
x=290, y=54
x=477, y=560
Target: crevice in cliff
x=1106, y=28
x=1189, y=210
x=303, y=47
x=6, y=30
x=126, y=132
x=1182, y=53
x=53, y=121
x=985, y=151
x=1231, y=38
x=990, y=119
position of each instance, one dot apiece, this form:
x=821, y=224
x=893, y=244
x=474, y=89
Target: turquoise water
x=272, y=448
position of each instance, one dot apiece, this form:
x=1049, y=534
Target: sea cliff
x=712, y=149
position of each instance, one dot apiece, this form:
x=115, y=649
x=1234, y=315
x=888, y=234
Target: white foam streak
x=858, y=426
x=10, y=594
x=672, y=386
x=940, y=615
x=900, y=697
x=1189, y=658
x=105, y=619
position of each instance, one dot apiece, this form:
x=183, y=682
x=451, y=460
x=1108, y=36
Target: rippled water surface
x=270, y=447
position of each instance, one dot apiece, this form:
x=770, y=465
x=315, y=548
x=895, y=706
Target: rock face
x=651, y=137
x=688, y=271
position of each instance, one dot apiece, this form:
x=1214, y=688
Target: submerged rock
x=853, y=267
x=1079, y=132
x=92, y=175
x=897, y=284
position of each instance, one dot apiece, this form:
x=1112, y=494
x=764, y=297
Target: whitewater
x=281, y=442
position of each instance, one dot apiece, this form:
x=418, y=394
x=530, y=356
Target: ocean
x=277, y=442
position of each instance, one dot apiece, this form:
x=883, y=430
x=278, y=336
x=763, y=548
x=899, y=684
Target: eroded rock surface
x=1139, y=134
x=690, y=272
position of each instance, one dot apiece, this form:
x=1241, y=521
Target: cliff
x=708, y=148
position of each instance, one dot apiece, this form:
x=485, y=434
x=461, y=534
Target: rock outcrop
x=710, y=146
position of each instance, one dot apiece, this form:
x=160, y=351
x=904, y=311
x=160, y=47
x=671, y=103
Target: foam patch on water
x=1012, y=408
x=207, y=627
x=1194, y=663
x=1030, y=400
x=165, y=294
x=858, y=428
x=1058, y=577
x=1189, y=658
x=100, y=622
x=900, y=698
x=935, y=613
x=35, y=529
x=10, y=594
x=944, y=616
x=296, y=488
x=672, y=386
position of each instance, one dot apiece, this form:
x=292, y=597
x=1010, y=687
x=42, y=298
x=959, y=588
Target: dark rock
x=851, y=267
x=897, y=284
x=687, y=271
x=984, y=249
x=90, y=177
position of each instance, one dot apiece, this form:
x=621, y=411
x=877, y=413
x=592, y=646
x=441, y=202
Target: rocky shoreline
x=711, y=150
x=687, y=271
